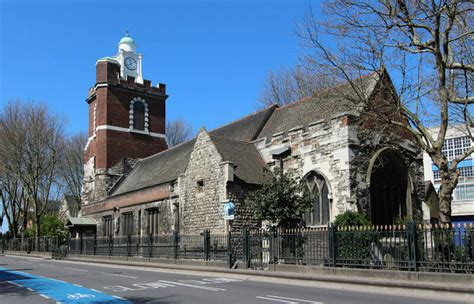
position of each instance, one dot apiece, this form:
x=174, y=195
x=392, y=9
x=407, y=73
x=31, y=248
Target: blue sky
x=212, y=55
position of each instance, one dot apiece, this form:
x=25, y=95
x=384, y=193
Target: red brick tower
x=126, y=120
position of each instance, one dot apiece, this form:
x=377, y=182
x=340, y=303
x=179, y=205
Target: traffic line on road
x=193, y=286
x=121, y=275
x=287, y=300
x=59, y=291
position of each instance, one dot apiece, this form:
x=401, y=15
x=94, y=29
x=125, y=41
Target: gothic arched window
x=138, y=114
x=317, y=187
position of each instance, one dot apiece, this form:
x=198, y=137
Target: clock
x=130, y=63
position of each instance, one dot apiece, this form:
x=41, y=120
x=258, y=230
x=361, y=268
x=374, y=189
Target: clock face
x=130, y=63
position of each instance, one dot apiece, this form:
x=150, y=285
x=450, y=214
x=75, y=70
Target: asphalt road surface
x=30, y=280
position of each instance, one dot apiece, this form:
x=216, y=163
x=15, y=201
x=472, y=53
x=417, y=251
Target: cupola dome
x=127, y=44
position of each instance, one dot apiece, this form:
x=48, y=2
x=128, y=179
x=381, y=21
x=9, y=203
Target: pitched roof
x=157, y=169
x=81, y=221
x=247, y=128
x=325, y=105
x=249, y=166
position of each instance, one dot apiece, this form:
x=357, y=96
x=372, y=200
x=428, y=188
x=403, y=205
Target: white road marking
x=290, y=300
x=46, y=297
x=194, y=286
x=272, y=299
x=82, y=270
x=94, y=289
x=117, y=297
x=77, y=285
x=57, y=280
x=15, y=283
x=121, y=275
x=30, y=289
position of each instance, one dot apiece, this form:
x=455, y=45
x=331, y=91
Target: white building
x=456, y=143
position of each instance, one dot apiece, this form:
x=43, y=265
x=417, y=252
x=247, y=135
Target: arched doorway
x=388, y=177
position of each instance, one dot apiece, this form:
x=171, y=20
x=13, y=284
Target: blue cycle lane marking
x=59, y=291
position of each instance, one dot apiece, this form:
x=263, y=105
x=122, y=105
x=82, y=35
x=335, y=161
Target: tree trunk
x=449, y=181
x=445, y=198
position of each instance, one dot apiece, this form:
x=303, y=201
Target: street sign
x=229, y=210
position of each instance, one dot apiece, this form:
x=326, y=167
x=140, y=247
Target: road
x=30, y=280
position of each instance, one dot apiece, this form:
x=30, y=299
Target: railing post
x=471, y=238
x=207, y=244
x=150, y=245
x=332, y=245
x=230, y=261
x=412, y=244
x=94, y=245
x=175, y=245
x=111, y=244
x=81, y=239
x=246, y=247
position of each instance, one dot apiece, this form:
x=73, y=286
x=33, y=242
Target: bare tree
x=12, y=194
x=44, y=148
x=428, y=48
x=288, y=85
x=178, y=131
x=72, y=166
x=32, y=144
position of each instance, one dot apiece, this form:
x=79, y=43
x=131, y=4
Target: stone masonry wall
x=323, y=148
x=201, y=205
x=243, y=214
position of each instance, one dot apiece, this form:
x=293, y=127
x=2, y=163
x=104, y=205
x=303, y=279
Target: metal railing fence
x=410, y=247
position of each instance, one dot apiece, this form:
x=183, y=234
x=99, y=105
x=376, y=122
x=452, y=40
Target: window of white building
x=464, y=192
x=456, y=146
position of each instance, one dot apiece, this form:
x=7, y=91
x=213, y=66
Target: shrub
x=354, y=247
x=351, y=218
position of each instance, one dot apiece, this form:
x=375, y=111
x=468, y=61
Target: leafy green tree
x=282, y=200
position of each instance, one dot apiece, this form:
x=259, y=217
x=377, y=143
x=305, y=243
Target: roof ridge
x=246, y=116
x=326, y=90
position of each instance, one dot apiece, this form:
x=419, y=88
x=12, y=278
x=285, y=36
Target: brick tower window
x=138, y=114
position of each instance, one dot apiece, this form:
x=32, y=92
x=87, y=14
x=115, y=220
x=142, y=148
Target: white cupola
x=130, y=62
x=127, y=44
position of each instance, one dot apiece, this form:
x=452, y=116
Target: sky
x=213, y=56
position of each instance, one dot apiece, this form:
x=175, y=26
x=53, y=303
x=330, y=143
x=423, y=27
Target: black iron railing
x=408, y=247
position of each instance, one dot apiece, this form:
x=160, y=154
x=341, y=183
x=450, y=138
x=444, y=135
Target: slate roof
x=247, y=128
x=248, y=163
x=157, y=169
x=81, y=221
x=329, y=103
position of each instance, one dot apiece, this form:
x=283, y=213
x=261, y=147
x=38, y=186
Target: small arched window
x=317, y=187
x=138, y=114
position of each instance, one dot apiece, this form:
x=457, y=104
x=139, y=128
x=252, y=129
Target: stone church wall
x=243, y=217
x=202, y=189
x=322, y=147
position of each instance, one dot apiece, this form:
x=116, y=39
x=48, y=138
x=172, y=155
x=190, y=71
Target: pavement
x=40, y=280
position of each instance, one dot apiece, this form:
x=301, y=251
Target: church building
x=135, y=185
